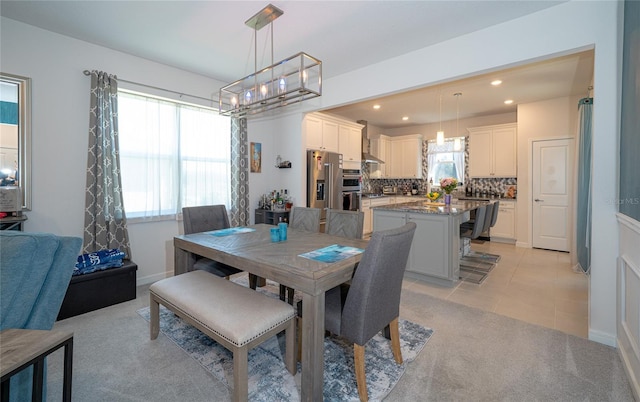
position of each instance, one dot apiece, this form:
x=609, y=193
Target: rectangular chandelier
x=291, y=80
x=294, y=79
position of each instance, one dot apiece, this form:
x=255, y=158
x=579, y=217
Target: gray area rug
x=269, y=380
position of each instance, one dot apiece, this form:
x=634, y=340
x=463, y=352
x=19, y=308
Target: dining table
x=251, y=249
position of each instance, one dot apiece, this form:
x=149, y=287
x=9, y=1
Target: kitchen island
x=435, y=250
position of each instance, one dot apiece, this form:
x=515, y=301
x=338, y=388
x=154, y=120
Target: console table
x=271, y=217
x=21, y=348
x=12, y=222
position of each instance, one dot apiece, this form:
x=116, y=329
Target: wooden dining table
x=254, y=252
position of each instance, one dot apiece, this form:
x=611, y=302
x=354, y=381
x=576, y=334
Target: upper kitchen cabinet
x=492, y=151
x=405, y=158
x=328, y=133
x=320, y=133
x=350, y=145
x=380, y=148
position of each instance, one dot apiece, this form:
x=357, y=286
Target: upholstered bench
x=234, y=316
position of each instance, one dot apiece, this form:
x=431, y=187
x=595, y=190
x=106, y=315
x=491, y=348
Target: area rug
x=269, y=380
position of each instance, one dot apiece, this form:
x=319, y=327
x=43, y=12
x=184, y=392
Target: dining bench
x=233, y=315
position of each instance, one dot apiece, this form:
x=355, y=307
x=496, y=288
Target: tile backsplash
x=483, y=185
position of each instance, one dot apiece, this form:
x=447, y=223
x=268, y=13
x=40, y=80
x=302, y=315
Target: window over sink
x=446, y=160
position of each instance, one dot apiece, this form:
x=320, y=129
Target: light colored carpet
x=270, y=381
x=473, y=356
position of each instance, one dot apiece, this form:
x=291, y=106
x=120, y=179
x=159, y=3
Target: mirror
x=15, y=134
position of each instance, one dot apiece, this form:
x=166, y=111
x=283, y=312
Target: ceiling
x=211, y=39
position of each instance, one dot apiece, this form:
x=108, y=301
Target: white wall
x=61, y=107
x=429, y=131
x=60, y=121
x=554, y=118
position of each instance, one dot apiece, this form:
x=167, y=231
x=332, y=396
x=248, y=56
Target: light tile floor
x=532, y=285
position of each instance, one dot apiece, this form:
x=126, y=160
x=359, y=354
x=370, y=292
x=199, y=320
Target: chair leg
x=395, y=340
x=361, y=378
x=240, y=374
x=290, y=346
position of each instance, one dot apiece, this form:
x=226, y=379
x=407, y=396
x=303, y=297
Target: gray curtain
x=105, y=223
x=239, y=213
x=583, y=235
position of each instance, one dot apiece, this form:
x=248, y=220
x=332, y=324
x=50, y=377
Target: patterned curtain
x=105, y=223
x=239, y=213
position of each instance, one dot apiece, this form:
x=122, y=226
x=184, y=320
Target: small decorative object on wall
x=256, y=157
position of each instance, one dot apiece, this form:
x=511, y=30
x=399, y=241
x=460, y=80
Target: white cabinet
x=405, y=158
x=493, y=150
x=505, y=227
x=350, y=145
x=328, y=133
x=321, y=134
x=368, y=212
x=380, y=148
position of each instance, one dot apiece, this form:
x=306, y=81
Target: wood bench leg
x=240, y=374
x=154, y=317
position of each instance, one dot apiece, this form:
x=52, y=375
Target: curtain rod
x=88, y=73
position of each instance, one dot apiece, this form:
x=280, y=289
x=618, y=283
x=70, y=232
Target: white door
x=552, y=182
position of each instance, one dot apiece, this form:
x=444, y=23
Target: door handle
x=538, y=200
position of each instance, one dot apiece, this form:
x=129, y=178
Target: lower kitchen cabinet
x=505, y=227
x=434, y=255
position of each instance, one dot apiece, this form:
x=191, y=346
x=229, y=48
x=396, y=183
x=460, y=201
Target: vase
x=447, y=199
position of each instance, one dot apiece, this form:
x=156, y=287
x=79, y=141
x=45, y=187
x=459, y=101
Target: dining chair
x=206, y=218
x=301, y=218
x=372, y=302
x=471, y=269
x=347, y=224
x=307, y=219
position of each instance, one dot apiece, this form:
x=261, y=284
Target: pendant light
x=457, y=144
x=440, y=133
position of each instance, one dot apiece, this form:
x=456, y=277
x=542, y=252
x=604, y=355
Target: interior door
x=552, y=183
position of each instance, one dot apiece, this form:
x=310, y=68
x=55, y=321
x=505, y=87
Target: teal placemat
x=332, y=253
x=231, y=231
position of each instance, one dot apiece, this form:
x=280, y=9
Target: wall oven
x=351, y=200
x=351, y=180
x=351, y=189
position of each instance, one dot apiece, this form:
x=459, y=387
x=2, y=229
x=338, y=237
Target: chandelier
x=294, y=79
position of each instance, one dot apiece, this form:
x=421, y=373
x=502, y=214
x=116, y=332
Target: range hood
x=366, y=145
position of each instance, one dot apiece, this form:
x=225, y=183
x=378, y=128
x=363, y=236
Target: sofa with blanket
x=35, y=270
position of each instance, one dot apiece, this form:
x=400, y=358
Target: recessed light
x=495, y=83
x=376, y=107
x=405, y=118
x=508, y=101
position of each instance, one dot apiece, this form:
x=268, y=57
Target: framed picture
x=256, y=157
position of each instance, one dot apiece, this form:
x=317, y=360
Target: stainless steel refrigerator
x=324, y=182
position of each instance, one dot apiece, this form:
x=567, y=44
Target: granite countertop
x=457, y=207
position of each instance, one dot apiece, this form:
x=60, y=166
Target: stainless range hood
x=366, y=145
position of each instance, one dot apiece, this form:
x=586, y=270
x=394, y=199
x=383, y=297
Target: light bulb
x=234, y=101
x=282, y=85
x=263, y=90
x=247, y=97
x=440, y=138
x=457, y=145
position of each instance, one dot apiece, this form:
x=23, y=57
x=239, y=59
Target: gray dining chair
x=204, y=219
x=347, y=224
x=372, y=302
x=307, y=219
x=301, y=218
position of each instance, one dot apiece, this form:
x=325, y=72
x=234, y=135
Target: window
x=445, y=161
x=172, y=155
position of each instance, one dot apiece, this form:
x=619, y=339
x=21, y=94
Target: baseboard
x=604, y=338
x=634, y=380
x=523, y=244
x=146, y=280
